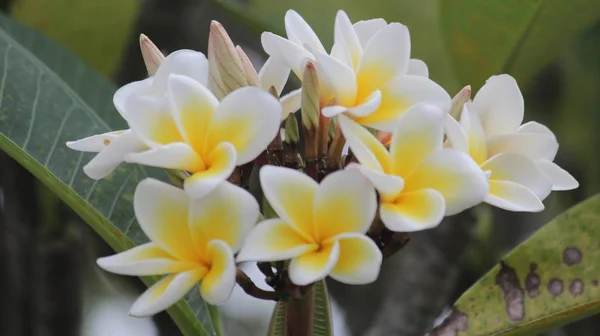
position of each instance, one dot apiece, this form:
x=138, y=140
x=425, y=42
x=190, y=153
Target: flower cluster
x=413, y=156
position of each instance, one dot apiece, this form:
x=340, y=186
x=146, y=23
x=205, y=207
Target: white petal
x=249, y=119
x=532, y=145
x=282, y=50
x=471, y=125
x=414, y=211
x=389, y=185
x=291, y=102
x=512, y=196
x=94, y=143
x=336, y=79
x=141, y=87
x=455, y=175
x=346, y=36
x=184, y=62
x=341, y=53
x=314, y=266
x=147, y=259
x=165, y=293
x=149, y=117
x=418, y=68
x=370, y=105
x=367, y=149
x=535, y=127
x=162, y=212
x=345, y=202
x=300, y=32
x=273, y=240
x=455, y=134
x=113, y=155
x=332, y=111
x=222, y=161
x=176, y=155
x=366, y=29
x=273, y=73
x=227, y=214
x=561, y=179
x=359, y=261
x=519, y=169
x=500, y=105
x=218, y=283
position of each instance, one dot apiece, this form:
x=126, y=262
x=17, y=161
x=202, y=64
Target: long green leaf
x=549, y=280
x=511, y=36
x=39, y=112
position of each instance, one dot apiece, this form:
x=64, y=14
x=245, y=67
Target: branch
x=250, y=288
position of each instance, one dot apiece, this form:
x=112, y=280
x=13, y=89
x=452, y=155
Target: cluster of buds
x=378, y=150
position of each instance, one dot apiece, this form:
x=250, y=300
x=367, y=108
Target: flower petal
x=512, y=196
x=218, y=283
x=94, y=143
x=385, y=57
x=220, y=165
x=535, y=127
x=401, y=94
x=189, y=63
x=453, y=174
x=291, y=102
x=471, y=124
x=519, y=169
x=176, y=155
x=165, y=293
x=455, y=134
x=337, y=80
x=192, y=107
x=346, y=36
x=359, y=261
x=414, y=211
x=291, y=194
x=367, y=29
x=388, y=185
x=146, y=259
x=282, y=50
x=226, y=214
x=345, y=202
x=500, y=105
x=561, y=179
x=273, y=73
x=531, y=145
x=149, y=117
x=370, y=105
x=341, y=53
x=417, y=67
x=418, y=133
x=141, y=87
x=274, y=240
x=162, y=212
x=300, y=32
x=249, y=119
x=314, y=266
x=108, y=159
x=367, y=149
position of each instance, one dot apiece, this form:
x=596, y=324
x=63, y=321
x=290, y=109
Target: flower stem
x=299, y=314
x=250, y=288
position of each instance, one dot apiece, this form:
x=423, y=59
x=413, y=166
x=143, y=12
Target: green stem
x=299, y=314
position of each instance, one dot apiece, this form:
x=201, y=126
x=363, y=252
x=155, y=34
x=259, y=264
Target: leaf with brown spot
x=563, y=291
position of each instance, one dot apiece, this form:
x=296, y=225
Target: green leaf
x=518, y=37
x=322, y=312
x=549, y=280
x=39, y=112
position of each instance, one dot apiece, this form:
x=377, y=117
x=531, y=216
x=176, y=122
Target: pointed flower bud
x=310, y=98
x=153, y=57
x=226, y=69
x=249, y=71
x=461, y=98
x=291, y=129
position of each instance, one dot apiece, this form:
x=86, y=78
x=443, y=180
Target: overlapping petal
x=149, y=117
x=219, y=164
x=512, y=196
x=386, y=185
x=218, y=283
x=418, y=68
x=500, y=105
x=315, y=265
x=189, y=63
x=292, y=54
x=359, y=260
x=366, y=29
x=274, y=73
x=561, y=179
x=177, y=155
x=345, y=35
x=413, y=211
x=369, y=151
x=300, y=32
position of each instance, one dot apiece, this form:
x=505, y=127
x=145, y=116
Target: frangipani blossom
x=192, y=240
x=367, y=74
x=275, y=74
x=418, y=181
x=113, y=146
x=194, y=132
x=517, y=157
x=321, y=226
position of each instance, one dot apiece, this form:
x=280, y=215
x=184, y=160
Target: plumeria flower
x=192, y=240
x=321, y=226
x=194, y=132
x=112, y=147
x=418, y=181
x=517, y=157
x=367, y=74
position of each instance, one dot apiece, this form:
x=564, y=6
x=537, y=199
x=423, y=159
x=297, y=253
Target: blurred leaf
x=39, y=112
x=421, y=17
x=549, y=280
x=97, y=31
x=511, y=36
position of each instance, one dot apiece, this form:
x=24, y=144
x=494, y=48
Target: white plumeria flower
x=194, y=132
x=321, y=227
x=517, y=157
x=367, y=74
x=192, y=240
x=113, y=146
x=418, y=181
x=275, y=74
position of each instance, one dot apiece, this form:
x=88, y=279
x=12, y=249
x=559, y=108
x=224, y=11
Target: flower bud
x=310, y=108
x=462, y=97
x=225, y=66
x=292, y=133
x=249, y=71
x=153, y=57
